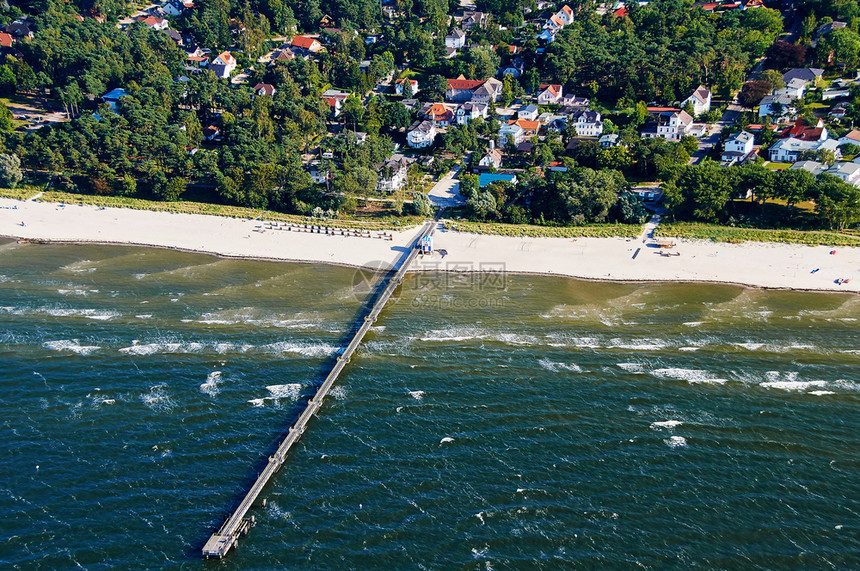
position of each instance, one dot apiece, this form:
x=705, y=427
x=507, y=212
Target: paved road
x=446, y=192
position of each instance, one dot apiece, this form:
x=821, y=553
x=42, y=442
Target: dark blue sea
x=515, y=423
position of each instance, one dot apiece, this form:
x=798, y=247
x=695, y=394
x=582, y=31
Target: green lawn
x=517, y=230
x=778, y=166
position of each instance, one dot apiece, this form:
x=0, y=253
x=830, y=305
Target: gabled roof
x=742, y=137
x=457, y=33
x=304, y=42
x=701, y=93
x=151, y=21
x=266, y=88
x=853, y=135
x=525, y=124
x=226, y=58
x=463, y=83
x=5, y=40
x=554, y=89
x=803, y=73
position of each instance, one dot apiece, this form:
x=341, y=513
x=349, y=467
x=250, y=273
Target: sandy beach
x=614, y=259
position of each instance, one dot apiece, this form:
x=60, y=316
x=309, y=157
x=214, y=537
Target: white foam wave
x=821, y=393
x=287, y=391
x=471, y=333
x=144, y=316
x=793, y=385
x=157, y=398
x=417, y=395
x=80, y=267
x=210, y=387
x=676, y=442
x=689, y=375
x=72, y=345
x=306, y=349
x=97, y=314
x=446, y=440
x=557, y=367
x=631, y=367
x=666, y=424
x=693, y=323
x=641, y=345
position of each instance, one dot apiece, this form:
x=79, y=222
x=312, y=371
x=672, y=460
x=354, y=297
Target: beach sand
x=614, y=259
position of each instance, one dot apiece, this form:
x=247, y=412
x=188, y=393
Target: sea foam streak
x=666, y=424
x=689, y=375
x=72, y=345
x=676, y=442
x=210, y=387
x=556, y=367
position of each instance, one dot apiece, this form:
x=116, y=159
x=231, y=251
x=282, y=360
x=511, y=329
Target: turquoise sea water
x=527, y=423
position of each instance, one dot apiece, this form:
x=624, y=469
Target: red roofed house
x=5, y=40
x=550, y=94
x=223, y=65
x=529, y=127
x=439, y=114
x=306, y=44
x=264, y=89
x=400, y=85
x=154, y=23
x=462, y=89
x=709, y=7
x=621, y=12
x=803, y=132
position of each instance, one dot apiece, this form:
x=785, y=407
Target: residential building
x=587, y=123
x=112, y=97
x=400, y=85
x=154, y=22
x=493, y=157
x=847, y=172
x=421, y=135
x=392, y=175
x=738, y=147
x=512, y=132
x=264, y=89
x=813, y=167
x=700, y=100
x=6, y=40
x=573, y=102
x=456, y=39
x=778, y=105
x=550, y=94
x=472, y=19
x=514, y=69
x=440, y=115
x=529, y=112
x=462, y=89
x=223, y=65
x=850, y=138
x=608, y=141
x=319, y=173
x=282, y=54
x=807, y=74
x=305, y=45
x=530, y=128
x=210, y=133
x=669, y=124
x=469, y=111
x=830, y=94
x=19, y=30
x=803, y=132
x=491, y=90
x=175, y=7
x=788, y=150
x=793, y=88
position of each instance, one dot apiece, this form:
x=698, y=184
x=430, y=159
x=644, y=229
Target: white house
x=264, y=89
x=550, y=94
x=400, y=85
x=587, y=123
x=671, y=125
x=422, y=135
x=319, y=174
x=154, y=22
x=813, y=167
x=529, y=112
x=848, y=172
x=511, y=132
x=456, y=39
x=392, y=175
x=514, y=69
x=773, y=103
x=176, y=7
x=738, y=147
x=788, y=150
x=850, y=138
x=491, y=90
x=607, y=141
x=493, y=157
x=700, y=100
x=793, y=88
x=223, y=65
x=469, y=111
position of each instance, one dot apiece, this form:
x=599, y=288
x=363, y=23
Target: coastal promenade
x=237, y=524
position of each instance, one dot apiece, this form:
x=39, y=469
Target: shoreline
x=615, y=260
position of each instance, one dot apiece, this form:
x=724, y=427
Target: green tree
x=10, y=170
x=794, y=185
x=483, y=205
x=837, y=203
x=421, y=204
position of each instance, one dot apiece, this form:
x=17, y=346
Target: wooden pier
x=237, y=524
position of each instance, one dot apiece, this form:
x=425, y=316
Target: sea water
x=514, y=422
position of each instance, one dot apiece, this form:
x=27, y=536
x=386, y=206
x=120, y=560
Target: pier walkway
x=237, y=524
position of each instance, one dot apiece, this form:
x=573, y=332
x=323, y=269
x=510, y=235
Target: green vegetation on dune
x=531, y=231
x=20, y=192
x=731, y=235
x=224, y=210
